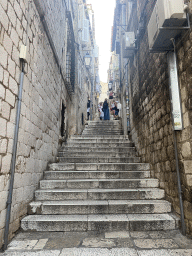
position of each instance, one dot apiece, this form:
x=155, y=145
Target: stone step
x=116, y=150
x=73, y=137
x=104, y=222
x=99, y=207
x=99, y=183
x=106, y=122
x=105, y=129
x=99, y=194
x=102, y=133
x=81, y=153
x=98, y=145
x=99, y=166
x=96, y=140
x=57, y=175
x=87, y=159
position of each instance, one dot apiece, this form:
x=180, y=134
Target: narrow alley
x=95, y=142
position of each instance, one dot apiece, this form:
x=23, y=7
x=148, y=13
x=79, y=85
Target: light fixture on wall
x=87, y=59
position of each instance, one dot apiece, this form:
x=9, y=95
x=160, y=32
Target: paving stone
x=125, y=243
x=178, y=252
x=155, y=243
x=40, y=244
x=117, y=234
x=139, y=234
x=98, y=242
x=22, y=245
x=62, y=242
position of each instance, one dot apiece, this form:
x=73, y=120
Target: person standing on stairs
x=106, y=110
x=88, y=109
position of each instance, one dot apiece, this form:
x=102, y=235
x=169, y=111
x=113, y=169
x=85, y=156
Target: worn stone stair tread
x=95, y=174
x=112, y=140
x=99, y=166
x=98, y=207
x=82, y=137
x=99, y=183
x=99, y=190
x=100, y=217
x=99, y=159
x=98, y=154
x=99, y=194
x=105, y=143
x=98, y=222
x=94, y=149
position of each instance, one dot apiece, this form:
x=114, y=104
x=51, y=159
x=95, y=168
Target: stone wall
x=151, y=114
x=44, y=91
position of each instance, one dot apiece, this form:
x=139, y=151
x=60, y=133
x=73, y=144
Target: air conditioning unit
x=166, y=19
x=129, y=39
x=128, y=44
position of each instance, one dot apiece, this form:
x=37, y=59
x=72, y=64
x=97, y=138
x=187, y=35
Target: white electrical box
x=166, y=13
x=129, y=39
x=128, y=45
x=23, y=53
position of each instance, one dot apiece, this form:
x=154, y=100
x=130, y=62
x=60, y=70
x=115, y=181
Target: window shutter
x=85, y=33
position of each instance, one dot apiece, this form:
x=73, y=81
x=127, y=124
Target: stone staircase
x=99, y=184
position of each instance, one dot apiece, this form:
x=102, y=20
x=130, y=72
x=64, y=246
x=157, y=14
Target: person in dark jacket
x=88, y=109
x=106, y=110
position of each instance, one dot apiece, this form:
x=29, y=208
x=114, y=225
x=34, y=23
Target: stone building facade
x=145, y=74
x=56, y=88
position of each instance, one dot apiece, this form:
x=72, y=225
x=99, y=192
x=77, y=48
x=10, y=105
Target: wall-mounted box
x=166, y=19
x=23, y=53
x=128, y=44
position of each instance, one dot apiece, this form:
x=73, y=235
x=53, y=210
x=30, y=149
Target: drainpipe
x=15, y=140
x=13, y=160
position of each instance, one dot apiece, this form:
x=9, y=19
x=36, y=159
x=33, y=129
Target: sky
x=104, y=13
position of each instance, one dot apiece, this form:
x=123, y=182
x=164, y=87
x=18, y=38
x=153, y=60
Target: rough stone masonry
x=44, y=92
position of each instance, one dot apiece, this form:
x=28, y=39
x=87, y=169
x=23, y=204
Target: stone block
x=8, y=44
x=18, y=10
x=4, y=183
x=14, y=37
x=1, y=77
x=3, y=57
x=2, y=92
x=188, y=210
x=189, y=180
x=6, y=110
x=11, y=67
x=3, y=127
x=6, y=162
x=188, y=167
x=4, y=17
x=10, y=130
x=19, y=29
x=4, y=4
x=13, y=85
x=186, y=121
x=15, y=55
x=11, y=14
x=186, y=150
x=3, y=146
x=6, y=78
x=2, y=218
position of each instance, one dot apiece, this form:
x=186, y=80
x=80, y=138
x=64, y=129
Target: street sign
x=175, y=92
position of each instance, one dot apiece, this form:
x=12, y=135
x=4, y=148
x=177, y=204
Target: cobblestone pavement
x=156, y=243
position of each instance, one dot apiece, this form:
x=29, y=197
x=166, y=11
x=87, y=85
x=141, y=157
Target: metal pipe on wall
x=13, y=160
